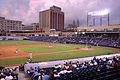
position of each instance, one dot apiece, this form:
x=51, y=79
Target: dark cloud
x=28, y=10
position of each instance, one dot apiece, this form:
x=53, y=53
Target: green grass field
x=47, y=49
x=62, y=51
x=15, y=42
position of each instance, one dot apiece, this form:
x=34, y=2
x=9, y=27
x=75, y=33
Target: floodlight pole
x=108, y=19
x=100, y=20
x=86, y=46
x=87, y=19
x=93, y=20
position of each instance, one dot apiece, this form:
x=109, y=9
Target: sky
x=28, y=10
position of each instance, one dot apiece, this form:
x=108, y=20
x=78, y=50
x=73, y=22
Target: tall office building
x=52, y=18
x=8, y=25
x=2, y=23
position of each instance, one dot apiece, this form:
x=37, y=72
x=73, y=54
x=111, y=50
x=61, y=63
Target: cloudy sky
x=28, y=10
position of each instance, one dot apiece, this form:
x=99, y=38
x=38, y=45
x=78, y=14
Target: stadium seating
x=95, y=69
x=109, y=42
x=9, y=73
x=11, y=37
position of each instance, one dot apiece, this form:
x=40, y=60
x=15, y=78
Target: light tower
x=94, y=14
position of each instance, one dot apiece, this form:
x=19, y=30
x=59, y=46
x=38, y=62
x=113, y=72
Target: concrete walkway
x=22, y=76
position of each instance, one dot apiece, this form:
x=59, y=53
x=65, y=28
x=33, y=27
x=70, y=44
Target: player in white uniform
x=16, y=51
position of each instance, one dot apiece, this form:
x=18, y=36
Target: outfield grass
x=65, y=47
x=55, y=48
x=15, y=42
x=46, y=49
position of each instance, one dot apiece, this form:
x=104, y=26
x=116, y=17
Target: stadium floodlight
x=92, y=15
x=104, y=12
x=99, y=13
x=83, y=33
x=76, y=33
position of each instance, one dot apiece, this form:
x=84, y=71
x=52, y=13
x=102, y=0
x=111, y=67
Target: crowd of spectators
x=10, y=38
x=110, y=42
x=9, y=73
x=95, y=69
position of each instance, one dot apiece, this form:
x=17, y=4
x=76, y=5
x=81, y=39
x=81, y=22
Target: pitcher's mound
x=50, y=46
x=86, y=49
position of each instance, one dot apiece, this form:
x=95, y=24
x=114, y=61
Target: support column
x=93, y=20
x=108, y=19
x=87, y=19
x=100, y=20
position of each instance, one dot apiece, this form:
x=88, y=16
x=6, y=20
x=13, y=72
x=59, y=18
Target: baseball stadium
x=50, y=51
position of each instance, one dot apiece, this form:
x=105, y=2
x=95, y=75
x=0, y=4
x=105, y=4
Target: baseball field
x=44, y=51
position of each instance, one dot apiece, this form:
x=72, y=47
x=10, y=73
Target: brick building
x=52, y=18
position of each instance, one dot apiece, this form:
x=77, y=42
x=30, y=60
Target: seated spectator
x=8, y=77
x=45, y=76
x=2, y=78
x=72, y=70
x=94, y=59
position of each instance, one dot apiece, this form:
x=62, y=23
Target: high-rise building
x=8, y=25
x=52, y=18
